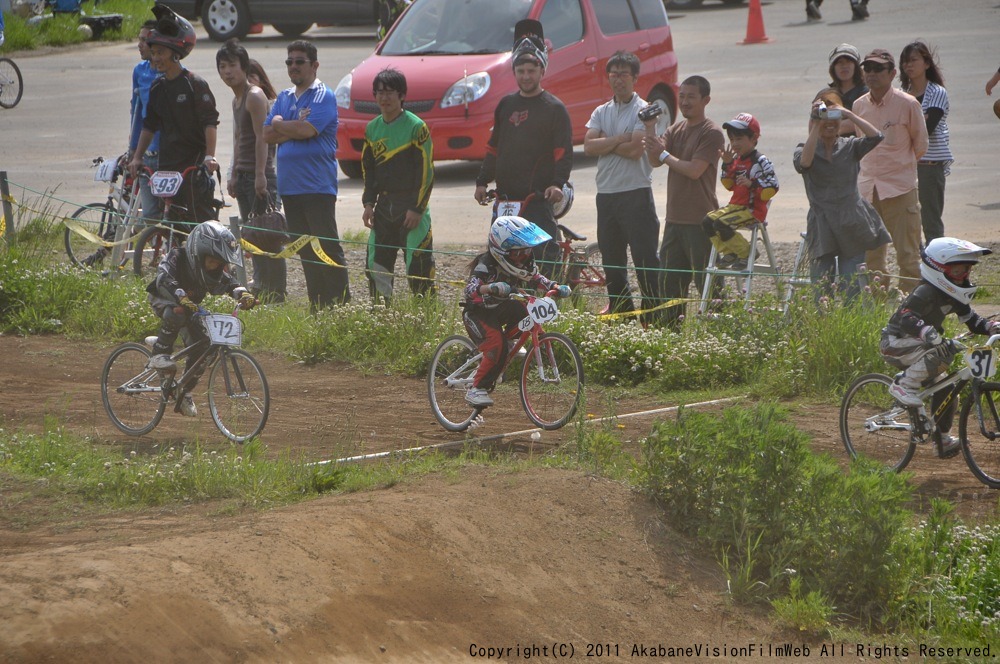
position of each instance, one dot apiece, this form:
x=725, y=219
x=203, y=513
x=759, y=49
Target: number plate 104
x=541, y=310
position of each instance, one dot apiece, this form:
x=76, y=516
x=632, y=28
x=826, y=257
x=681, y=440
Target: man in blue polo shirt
x=303, y=124
x=143, y=75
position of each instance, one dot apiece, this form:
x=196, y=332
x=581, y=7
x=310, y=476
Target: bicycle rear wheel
x=874, y=425
x=150, y=247
x=101, y=220
x=552, y=381
x=453, y=366
x=979, y=430
x=238, y=396
x=131, y=392
x=11, y=83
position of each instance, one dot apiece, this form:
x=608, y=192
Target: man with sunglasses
x=303, y=124
x=888, y=175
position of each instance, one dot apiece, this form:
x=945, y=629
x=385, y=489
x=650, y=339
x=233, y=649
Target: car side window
x=650, y=13
x=562, y=21
x=614, y=18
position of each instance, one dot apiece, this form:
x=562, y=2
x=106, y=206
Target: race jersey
x=398, y=158
x=762, y=189
x=180, y=109
x=488, y=271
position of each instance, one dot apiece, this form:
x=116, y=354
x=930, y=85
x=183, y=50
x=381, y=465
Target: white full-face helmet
x=946, y=265
x=511, y=241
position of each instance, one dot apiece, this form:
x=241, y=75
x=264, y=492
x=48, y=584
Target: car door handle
x=644, y=46
x=590, y=62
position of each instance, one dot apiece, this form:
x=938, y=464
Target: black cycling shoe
x=95, y=257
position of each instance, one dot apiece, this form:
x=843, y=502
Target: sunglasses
x=872, y=68
x=296, y=61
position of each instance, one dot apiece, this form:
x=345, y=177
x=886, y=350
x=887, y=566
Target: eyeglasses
x=872, y=68
x=296, y=61
x=619, y=74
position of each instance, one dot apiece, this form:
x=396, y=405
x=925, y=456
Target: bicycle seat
x=571, y=235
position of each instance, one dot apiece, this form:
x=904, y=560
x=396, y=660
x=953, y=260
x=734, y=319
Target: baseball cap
x=845, y=51
x=744, y=122
x=881, y=56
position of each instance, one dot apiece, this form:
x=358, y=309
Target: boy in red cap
x=750, y=176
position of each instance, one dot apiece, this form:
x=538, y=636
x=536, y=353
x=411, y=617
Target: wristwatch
x=663, y=156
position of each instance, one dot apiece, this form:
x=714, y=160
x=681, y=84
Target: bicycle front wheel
x=97, y=218
x=979, y=430
x=238, y=396
x=874, y=425
x=552, y=381
x=150, y=247
x=11, y=83
x=453, y=367
x=130, y=391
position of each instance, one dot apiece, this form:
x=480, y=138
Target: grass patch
x=25, y=33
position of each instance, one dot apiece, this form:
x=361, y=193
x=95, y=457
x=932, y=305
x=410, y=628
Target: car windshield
x=456, y=27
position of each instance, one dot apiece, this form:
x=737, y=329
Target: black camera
x=650, y=112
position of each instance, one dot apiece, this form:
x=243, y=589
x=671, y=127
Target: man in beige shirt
x=888, y=175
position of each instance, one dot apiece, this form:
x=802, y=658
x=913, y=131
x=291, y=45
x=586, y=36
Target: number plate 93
x=981, y=361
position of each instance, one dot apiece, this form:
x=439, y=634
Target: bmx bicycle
x=113, y=221
x=874, y=424
x=551, y=384
x=11, y=83
x=136, y=396
x=579, y=266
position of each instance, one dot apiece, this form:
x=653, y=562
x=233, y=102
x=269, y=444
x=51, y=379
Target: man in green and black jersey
x=398, y=166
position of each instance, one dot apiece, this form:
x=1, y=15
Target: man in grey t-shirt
x=626, y=214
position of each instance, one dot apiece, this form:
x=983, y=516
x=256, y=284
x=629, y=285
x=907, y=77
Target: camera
x=650, y=112
x=829, y=113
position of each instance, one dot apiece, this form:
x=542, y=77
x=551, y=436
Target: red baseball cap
x=744, y=122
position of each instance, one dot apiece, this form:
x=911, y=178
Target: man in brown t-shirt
x=691, y=149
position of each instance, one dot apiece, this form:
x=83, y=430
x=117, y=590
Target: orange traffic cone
x=755, y=25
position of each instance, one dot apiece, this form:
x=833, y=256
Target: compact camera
x=650, y=112
x=829, y=113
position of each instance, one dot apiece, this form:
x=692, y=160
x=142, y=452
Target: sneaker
x=188, y=409
x=903, y=395
x=726, y=261
x=150, y=341
x=812, y=11
x=739, y=264
x=162, y=362
x=478, y=397
x=950, y=446
x=95, y=257
x=859, y=12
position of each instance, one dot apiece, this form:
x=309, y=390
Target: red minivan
x=455, y=55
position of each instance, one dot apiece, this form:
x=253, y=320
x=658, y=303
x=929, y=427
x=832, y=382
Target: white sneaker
x=478, y=397
x=188, y=409
x=162, y=362
x=903, y=395
x=151, y=340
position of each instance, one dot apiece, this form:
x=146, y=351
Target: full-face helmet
x=947, y=263
x=560, y=209
x=211, y=238
x=511, y=241
x=173, y=31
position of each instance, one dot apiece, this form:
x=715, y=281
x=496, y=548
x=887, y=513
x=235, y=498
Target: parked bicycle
x=114, y=221
x=136, y=396
x=551, y=384
x=580, y=265
x=874, y=424
x=11, y=83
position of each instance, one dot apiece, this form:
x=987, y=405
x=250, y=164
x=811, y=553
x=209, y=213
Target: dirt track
x=418, y=572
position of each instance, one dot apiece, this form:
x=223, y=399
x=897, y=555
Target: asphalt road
x=75, y=106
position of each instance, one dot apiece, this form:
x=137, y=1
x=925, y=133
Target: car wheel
x=664, y=100
x=351, y=169
x=292, y=29
x=683, y=4
x=225, y=19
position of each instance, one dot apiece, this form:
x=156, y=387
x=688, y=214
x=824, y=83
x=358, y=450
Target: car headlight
x=468, y=89
x=343, y=92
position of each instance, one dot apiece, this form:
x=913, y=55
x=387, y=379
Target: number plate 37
x=981, y=361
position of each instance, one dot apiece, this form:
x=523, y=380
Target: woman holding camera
x=841, y=226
